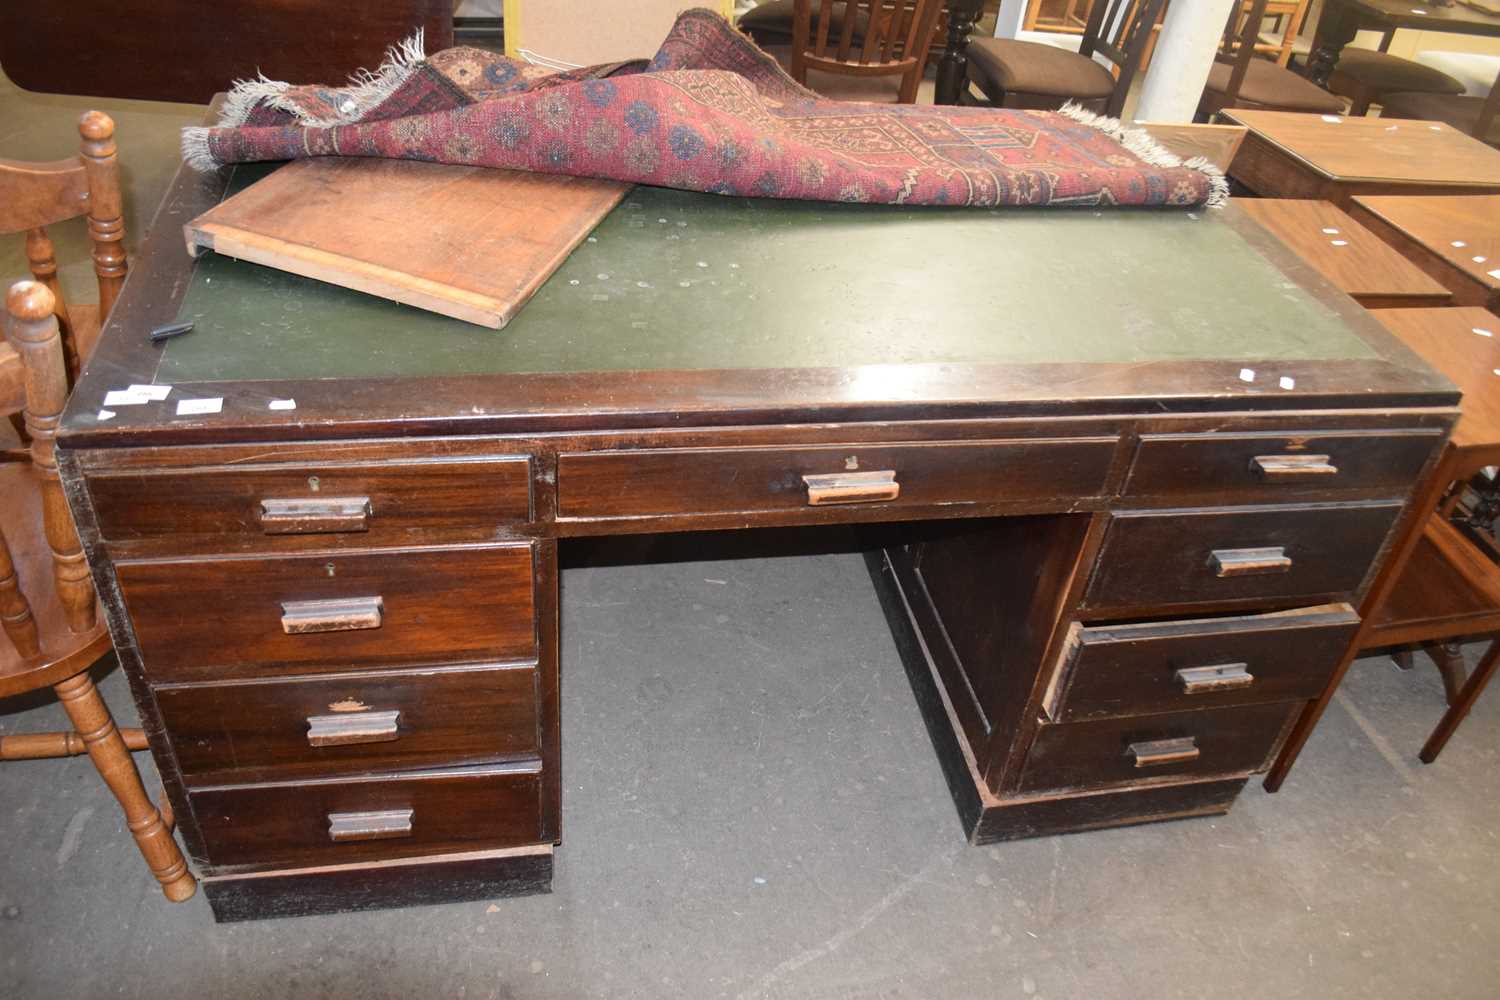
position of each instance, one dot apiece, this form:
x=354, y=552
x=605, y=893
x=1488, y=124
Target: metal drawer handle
x=385, y=824
x=1250, y=562
x=353, y=727
x=1293, y=466
x=342, y=614
x=1206, y=680
x=851, y=487
x=311, y=517
x=1156, y=753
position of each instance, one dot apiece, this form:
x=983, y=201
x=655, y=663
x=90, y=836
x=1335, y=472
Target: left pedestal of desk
x=345, y=656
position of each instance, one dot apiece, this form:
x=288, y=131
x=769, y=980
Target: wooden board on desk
x=468, y=242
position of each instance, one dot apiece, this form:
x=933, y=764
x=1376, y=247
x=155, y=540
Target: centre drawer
x=367, y=819
x=1120, y=670
x=321, y=727
x=243, y=617
x=1219, y=741
x=1210, y=556
x=667, y=481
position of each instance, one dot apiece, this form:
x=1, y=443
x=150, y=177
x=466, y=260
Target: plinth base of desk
x=988, y=818
x=456, y=878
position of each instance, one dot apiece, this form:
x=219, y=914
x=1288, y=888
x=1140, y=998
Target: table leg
x=1422, y=505
x=953, y=67
x=1460, y=708
x=1336, y=28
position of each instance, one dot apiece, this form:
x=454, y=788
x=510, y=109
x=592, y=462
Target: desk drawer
x=375, y=500
x=1207, y=556
x=693, y=481
x=351, y=723
x=216, y=619
x=1246, y=467
x=1122, y=670
x=1122, y=751
x=367, y=819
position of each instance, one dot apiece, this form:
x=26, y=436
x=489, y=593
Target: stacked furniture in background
x=1471, y=115
x=1239, y=79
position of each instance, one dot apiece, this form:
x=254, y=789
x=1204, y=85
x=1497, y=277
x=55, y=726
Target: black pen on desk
x=171, y=330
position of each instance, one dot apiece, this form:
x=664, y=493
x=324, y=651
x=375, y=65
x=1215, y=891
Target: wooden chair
x=1473, y=116
x=1368, y=76
x=1017, y=74
x=47, y=604
x=896, y=40
x=1240, y=80
x=1291, y=14
x=36, y=195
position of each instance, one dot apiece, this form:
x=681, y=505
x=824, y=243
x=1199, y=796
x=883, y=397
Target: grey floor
x=753, y=810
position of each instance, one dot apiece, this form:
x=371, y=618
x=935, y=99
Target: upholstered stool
x=1457, y=110
x=1021, y=74
x=1367, y=77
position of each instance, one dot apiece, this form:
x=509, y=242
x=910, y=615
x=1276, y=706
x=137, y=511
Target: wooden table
x=1346, y=253
x=1455, y=239
x=1341, y=20
x=1118, y=536
x=1436, y=585
x=1334, y=158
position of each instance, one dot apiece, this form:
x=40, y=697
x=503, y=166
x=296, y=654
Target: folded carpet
x=711, y=112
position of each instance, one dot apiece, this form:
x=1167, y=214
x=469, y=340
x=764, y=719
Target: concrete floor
x=753, y=810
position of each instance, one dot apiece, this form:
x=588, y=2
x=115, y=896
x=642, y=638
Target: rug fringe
x=195, y=151
x=1147, y=149
x=365, y=90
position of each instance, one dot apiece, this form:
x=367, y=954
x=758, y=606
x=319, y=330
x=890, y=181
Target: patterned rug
x=711, y=112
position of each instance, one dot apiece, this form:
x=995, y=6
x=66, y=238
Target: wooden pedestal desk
x=1125, y=475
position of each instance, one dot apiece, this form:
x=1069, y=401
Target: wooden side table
x=1357, y=261
x=1436, y=586
x=1336, y=157
x=1456, y=239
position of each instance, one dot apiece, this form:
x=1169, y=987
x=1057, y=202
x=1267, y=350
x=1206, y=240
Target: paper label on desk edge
x=282, y=404
x=152, y=392
x=187, y=407
x=125, y=397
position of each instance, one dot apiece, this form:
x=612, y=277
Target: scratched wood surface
x=467, y=242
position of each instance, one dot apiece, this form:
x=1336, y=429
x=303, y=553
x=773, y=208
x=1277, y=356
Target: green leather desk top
x=673, y=280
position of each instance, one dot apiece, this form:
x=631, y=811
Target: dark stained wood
x=1093, y=754
x=1239, y=46
x=421, y=485
x=178, y=50
x=1455, y=239
x=1289, y=155
x=216, y=619
x=1162, y=559
x=258, y=731
x=1447, y=590
x=986, y=817
x=287, y=825
x=416, y=882
x=1199, y=467
x=662, y=482
x=1341, y=20
x=1124, y=670
x=1347, y=254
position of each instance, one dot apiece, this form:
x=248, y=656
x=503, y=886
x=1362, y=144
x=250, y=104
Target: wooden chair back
x=1488, y=112
x=1121, y=31
x=896, y=41
x=36, y=195
x=36, y=346
x=1237, y=46
x=1292, y=14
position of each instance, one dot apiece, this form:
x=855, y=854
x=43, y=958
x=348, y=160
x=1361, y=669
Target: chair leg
x=1449, y=657
x=1460, y=707
x=43, y=746
x=107, y=749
